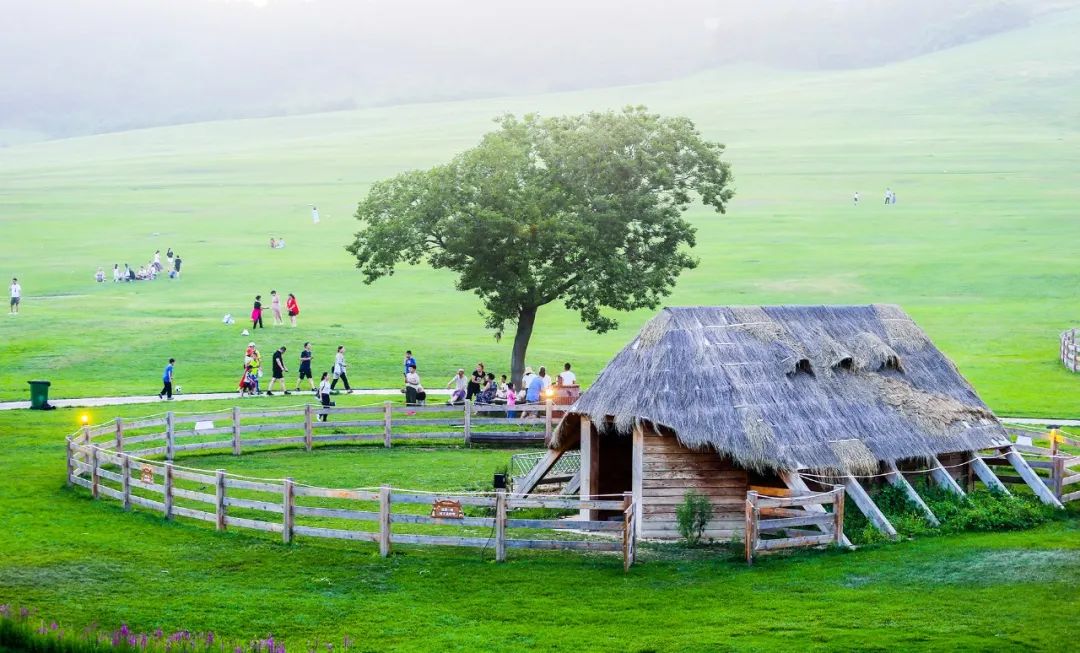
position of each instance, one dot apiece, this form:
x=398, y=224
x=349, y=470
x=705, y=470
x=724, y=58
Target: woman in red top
x=292, y=308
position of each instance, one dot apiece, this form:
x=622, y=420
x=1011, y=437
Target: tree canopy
x=586, y=209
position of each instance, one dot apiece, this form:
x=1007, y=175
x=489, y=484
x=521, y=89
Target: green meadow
x=979, y=142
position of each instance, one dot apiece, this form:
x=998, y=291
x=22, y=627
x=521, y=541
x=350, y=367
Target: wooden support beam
x=942, y=477
x=894, y=477
x=1033, y=480
x=467, y=422
x=573, y=486
x=125, y=480
x=167, y=495
x=528, y=484
x=637, y=478
x=388, y=424
x=589, y=465
x=798, y=487
x=219, y=499
x=986, y=475
x=119, y=434
x=867, y=506
x=170, y=443
x=308, y=426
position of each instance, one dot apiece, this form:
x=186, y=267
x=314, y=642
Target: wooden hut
x=723, y=400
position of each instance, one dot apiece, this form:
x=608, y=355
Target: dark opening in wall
x=846, y=363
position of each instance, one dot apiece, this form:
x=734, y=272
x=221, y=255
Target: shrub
x=692, y=514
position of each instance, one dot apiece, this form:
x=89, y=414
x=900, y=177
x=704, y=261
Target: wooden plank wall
x=670, y=469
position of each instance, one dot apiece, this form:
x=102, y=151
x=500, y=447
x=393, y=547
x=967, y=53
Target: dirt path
x=153, y=399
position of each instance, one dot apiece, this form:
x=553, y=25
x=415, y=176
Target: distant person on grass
x=459, y=384
x=16, y=297
x=176, y=267
x=167, y=381
x=855, y=198
x=314, y=214
x=99, y=276
x=278, y=372
x=536, y=386
x=325, y=388
x=275, y=308
x=414, y=390
x=305, y=367
x=116, y=277
x=292, y=308
x=340, y=367
x=256, y=313
x=888, y=196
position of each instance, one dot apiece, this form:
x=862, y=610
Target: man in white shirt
x=567, y=377
x=314, y=214
x=16, y=296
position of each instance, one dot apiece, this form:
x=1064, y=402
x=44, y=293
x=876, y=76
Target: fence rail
x=1058, y=469
x=1070, y=349
x=285, y=507
x=793, y=523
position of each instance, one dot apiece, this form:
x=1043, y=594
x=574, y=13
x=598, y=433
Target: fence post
x=288, y=502
x=629, y=541
x=86, y=435
x=94, y=472
x=838, y=514
x=468, y=422
x=170, y=445
x=168, y=498
x=750, y=534
x=1058, y=474
x=219, y=497
x=70, y=464
x=547, y=423
x=119, y=434
x=500, y=525
x=384, y=520
x=388, y=423
x=307, y=427
x=236, y=430
x=125, y=479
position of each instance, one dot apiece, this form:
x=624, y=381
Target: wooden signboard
x=446, y=509
x=147, y=474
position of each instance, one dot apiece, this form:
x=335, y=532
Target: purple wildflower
x=158, y=634
x=5, y=610
x=53, y=626
x=124, y=630
x=210, y=638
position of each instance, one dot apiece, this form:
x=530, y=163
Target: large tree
x=586, y=209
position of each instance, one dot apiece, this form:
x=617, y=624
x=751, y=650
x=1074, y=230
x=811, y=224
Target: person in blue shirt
x=166, y=381
x=536, y=387
x=409, y=361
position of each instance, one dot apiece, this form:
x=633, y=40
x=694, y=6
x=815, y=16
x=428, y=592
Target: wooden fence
x=1070, y=349
x=790, y=515
x=1056, y=468
x=113, y=469
x=473, y=424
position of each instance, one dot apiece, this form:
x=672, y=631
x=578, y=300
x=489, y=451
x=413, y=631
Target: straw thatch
x=835, y=388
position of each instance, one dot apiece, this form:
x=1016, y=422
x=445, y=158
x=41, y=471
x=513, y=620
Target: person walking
x=340, y=367
x=855, y=198
x=275, y=308
x=292, y=309
x=16, y=296
x=314, y=214
x=256, y=313
x=167, y=381
x=305, y=367
x=888, y=196
x=176, y=267
x=278, y=372
x=325, y=388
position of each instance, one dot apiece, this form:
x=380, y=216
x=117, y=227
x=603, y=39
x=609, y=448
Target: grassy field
x=82, y=562
x=979, y=142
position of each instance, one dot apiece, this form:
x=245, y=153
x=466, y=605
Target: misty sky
x=81, y=66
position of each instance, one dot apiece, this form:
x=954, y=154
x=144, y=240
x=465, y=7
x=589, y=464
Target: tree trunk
x=525, y=321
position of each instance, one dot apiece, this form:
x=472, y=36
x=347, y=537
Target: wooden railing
x=113, y=470
x=173, y=434
x=1058, y=469
x=774, y=514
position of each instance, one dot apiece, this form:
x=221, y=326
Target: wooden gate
x=788, y=515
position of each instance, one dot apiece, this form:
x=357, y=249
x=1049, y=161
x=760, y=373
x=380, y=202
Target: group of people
x=147, y=272
x=277, y=243
x=482, y=387
x=890, y=197
x=253, y=363
x=291, y=308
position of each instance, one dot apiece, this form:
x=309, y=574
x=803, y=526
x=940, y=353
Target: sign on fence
x=447, y=509
x=147, y=474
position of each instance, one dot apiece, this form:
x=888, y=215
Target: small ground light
x=85, y=420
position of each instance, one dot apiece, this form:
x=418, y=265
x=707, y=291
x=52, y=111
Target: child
x=511, y=400
x=324, y=394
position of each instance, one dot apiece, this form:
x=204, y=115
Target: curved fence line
x=115, y=461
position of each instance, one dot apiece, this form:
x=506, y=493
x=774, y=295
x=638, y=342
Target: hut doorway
x=606, y=467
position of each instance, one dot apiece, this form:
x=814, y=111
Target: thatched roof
x=791, y=387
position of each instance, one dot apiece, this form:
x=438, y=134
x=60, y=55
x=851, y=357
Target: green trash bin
x=39, y=394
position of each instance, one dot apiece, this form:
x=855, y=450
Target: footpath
x=90, y=402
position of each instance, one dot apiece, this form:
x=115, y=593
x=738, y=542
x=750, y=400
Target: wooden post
x=119, y=434
x=943, y=478
x=750, y=528
x=629, y=541
x=168, y=498
x=388, y=424
x=125, y=479
x=798, y=487
x=467, y=421
x=838, y=514
x=985, y=474
x=1057, y=474
x=86, y=436
x=500, y=525
x=547, y=423
x=865, y=504
x=307, y=427
x=638, y=477
x=384, y=520
x=288, y=503
x=170, y=445
x=590, y=465
x=1033, y=480
x=896, y=478
x=236, y=430
x=70, y=464
x=219, y=496
x=94, y=480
